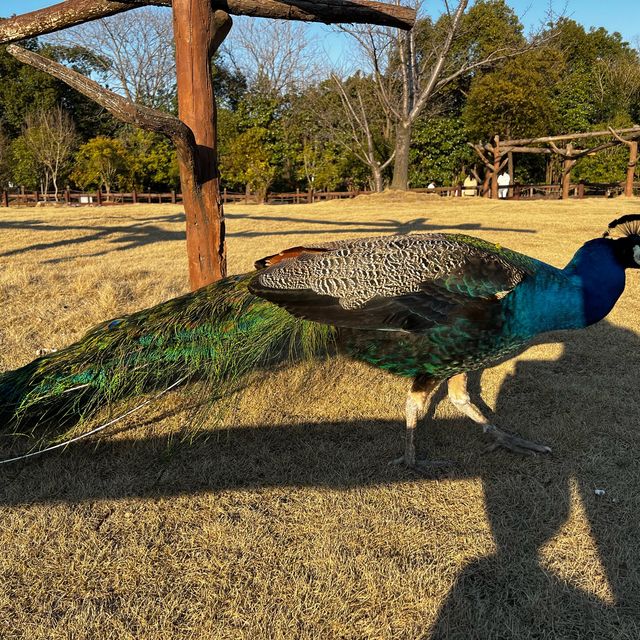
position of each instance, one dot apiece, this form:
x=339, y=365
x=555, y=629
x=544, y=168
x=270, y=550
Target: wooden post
x=548, y=174
x=67, y=196
x=99, y=197
x=198, y=32
x=486, y=185
x=496, y=168
x=224, y=197
x=567, y=165
x=5, y=198
x=631, y=168
x=633, y=161
x=134, y=196
x=310, y=196
x=173, y=196
x=37, y=197
x=581, y=190
x=510, y=171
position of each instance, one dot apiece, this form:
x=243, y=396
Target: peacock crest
x=628, y=225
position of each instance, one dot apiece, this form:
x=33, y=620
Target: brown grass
x=286, y=521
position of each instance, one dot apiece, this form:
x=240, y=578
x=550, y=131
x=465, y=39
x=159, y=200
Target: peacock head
x=625, y=232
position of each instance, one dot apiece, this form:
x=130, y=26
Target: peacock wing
x=404, y=282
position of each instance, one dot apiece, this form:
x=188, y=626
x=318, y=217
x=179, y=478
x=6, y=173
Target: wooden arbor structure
x=499, y=153
x=200, y=26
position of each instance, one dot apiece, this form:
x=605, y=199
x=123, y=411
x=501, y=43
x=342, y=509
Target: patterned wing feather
x=406, y=282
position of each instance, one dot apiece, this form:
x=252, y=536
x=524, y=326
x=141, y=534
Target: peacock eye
x=636, y=254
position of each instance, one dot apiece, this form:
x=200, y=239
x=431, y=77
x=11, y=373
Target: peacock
x=427, y=307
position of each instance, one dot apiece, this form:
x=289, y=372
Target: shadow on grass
x=119, y=237
x=389, y=226
x=509, y=594
x=512, y=593
x=142, y=232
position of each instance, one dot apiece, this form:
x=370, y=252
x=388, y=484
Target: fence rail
x=32, y=198
x=512, y=191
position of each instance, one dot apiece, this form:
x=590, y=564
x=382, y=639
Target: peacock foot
x=424, y=466
x=512, y=442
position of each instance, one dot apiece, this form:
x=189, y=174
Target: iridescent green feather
x=215, y=335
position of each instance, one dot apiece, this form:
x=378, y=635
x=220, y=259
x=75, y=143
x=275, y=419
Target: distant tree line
x=286, y=121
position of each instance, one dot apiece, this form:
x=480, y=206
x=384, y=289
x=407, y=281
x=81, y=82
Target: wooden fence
x=513, y=191
x=76, y=198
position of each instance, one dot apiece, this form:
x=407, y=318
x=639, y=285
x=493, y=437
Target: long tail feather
x=215, y=335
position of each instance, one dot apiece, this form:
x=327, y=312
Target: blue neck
x=601, y=276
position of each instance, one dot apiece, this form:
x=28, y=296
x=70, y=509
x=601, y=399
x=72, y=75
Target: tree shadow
x=512, y=593
x=388, y=226
x=118, y=237
x=145, y=231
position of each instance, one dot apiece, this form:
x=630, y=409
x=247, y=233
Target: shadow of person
x=566, y=559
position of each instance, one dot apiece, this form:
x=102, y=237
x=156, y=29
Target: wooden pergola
x=499, y=153
x=200, y=26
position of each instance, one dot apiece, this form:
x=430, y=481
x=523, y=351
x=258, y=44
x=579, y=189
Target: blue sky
x=614, y=15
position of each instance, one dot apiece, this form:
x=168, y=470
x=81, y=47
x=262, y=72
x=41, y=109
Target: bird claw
x=514, y=443
x=425, y=467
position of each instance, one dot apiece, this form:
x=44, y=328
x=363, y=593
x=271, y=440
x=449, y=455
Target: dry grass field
x=284, y=520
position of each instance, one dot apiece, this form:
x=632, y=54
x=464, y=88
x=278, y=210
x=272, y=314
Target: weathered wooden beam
x=481, y=154
x=576, y=154
x=567, y=165
x=73, y=12
x=633, y=161
x=120, y=107
x=527, y=150
x=634, y=131
x=580, y=153
x=61, y=16
x=631, y=169
x=327, y=11
x=497, y=157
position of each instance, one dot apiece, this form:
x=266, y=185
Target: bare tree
x=411, y=68
x=51, y=137
x=617, y=82
x=275, y=56
x=134, y=51
x=359, y=131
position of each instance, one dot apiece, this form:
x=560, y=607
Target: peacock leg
x=416, y=406
x=457, y=389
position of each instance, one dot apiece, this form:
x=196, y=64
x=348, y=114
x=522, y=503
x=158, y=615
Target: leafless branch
x=620, y=138
x=274, y=56
x=556, y=149
x=137, y=48
x=120, y=107
x=426, y=92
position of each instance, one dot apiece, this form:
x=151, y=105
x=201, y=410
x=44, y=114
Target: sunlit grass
x=285, y=520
